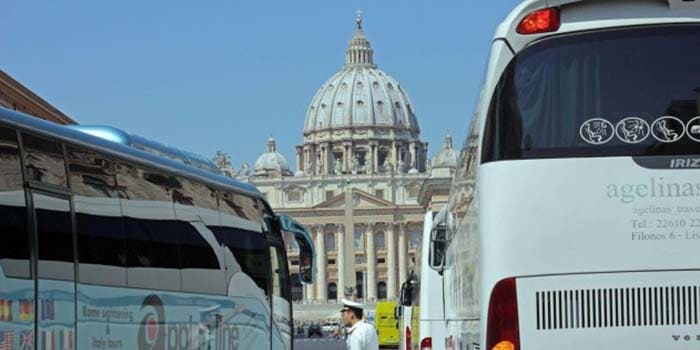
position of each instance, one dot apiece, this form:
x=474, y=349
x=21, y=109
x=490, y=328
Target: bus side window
x=247, y=261
x=201, y=256
x=14, y=250
x=280, y=274
x=101, y=244
x=44, y=160
x=152, y=241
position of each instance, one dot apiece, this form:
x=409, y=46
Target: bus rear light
x=540, y=21
x=502, y=331
x=408, y=338
x=426, y=344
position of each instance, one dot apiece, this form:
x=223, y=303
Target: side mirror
x=406, y=297
x=439, y=238
x=397, y=314
x=307, y=256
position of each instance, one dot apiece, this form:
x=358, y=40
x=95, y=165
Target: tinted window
x=633, y=91
x=98, y=217
x=239, y=205
x=44, y=160
x=150, y=227
x=250, y=251
x=55, y=234
x=14, y=250
x=195, y=251
x=152, y=243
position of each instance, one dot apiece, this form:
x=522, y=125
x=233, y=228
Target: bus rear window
x=623, y=92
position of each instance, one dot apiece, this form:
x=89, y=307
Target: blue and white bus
x=104, y=245
x=576, y=206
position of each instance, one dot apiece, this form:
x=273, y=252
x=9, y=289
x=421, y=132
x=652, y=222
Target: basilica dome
x=360, y=95
x=361, y=121
x=271, y=163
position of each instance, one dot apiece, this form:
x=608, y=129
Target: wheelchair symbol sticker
x=668, y=129
x=632, y=130
x=597, y=131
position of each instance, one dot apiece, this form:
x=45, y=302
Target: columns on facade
x=371, y=263
x=375, y=156
x=300, y=159
x=348, y=157
x=403, y=253
x=311, y=288
x=414, y=154
x=321, y=254
x=340, y=259
x=390, y=261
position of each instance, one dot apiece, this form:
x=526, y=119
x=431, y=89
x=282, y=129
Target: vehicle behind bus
x=386, y=323
x=576, y=209
x=107, y=246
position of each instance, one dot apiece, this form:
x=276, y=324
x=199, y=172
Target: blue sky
x=225, y=75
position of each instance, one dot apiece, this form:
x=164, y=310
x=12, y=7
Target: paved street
x=319, y=344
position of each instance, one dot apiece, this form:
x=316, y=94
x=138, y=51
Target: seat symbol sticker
x=693, y=129
x=668, y=129
x=597, y=131
x=632, y=130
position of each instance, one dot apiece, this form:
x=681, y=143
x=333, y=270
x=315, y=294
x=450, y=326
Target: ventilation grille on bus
x=617, y=307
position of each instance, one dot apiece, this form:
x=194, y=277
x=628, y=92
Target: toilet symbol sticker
x=597, y=131
x=668, y=129
x=632, y=130
x=693, y=129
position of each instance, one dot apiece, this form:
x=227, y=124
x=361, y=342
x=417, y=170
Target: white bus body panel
x=641, y=224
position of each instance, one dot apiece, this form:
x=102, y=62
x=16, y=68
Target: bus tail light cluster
x=502, y=331
x=408, y=338
x=426, y=344
x=540, y=21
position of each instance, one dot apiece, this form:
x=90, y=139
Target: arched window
x=297, y=288
x=332, y=291
x=381, y=291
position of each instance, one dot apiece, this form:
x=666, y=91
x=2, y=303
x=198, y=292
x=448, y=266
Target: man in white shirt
x=361, y=335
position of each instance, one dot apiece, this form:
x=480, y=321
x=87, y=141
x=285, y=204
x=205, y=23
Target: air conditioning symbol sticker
x=693, y=129
x=632, y=130
x=597, y=131
x=668, y=129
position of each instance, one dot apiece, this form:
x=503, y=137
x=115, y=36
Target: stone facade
x=360, y=171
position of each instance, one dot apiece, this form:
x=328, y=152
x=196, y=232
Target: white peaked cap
x=352, y=304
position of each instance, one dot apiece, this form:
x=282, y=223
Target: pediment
x=360, y=199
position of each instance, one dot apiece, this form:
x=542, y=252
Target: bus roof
x=581, y=15
x=122, y=150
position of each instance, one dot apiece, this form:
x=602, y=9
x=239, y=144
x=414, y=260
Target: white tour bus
x=105, y=245
x=576, y=206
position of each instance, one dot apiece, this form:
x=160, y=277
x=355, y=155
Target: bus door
x=54, y=241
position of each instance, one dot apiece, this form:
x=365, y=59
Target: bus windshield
x=623, y=92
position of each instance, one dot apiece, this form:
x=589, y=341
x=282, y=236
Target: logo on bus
x=151, y=331
x=685, y=163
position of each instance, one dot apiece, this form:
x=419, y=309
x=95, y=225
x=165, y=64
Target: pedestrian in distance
x=361, y=335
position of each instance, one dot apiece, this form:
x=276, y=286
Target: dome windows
x=375, y=84
x=360, y=103
x=390, y=86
